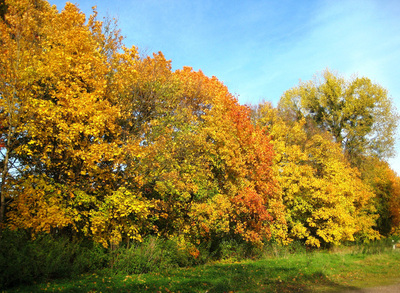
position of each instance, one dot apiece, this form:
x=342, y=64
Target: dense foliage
x=103, y=144
x=98, y=143
x=326, y=201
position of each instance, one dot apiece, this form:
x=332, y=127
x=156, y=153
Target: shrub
x=23, y=260
x=233, y=250
x=151, y=255
x=379, y=246
x=273, y=249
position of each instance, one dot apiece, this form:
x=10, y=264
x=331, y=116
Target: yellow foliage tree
x=394, y=204
x=325, y=199
x=385, y=184
x=21, y=27
x=70, y=138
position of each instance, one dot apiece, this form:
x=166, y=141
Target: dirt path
x=382, y=289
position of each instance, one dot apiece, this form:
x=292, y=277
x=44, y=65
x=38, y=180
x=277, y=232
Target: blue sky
x=259, y=49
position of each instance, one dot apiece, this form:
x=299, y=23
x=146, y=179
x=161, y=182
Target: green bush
x=233, y=250
x=383, y=245
x=14, y=265
x=23, y=260
x=151, y=255
x=273, y=249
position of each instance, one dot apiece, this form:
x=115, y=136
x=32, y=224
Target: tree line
x=99, y=142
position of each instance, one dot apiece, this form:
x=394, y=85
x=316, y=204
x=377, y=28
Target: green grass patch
x=306, y=272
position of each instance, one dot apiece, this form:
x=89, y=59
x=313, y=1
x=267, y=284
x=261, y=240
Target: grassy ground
x=307, y=272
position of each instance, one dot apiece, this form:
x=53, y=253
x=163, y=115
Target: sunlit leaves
x=326, y=202
x=63, y=122
x=358, y=113
x=385, y=184
x=21, y=28
x=101, y=142
x=121, y=215
x=394, y=203
x=40, y=205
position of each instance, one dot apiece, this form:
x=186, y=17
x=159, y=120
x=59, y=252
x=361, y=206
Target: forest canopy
x=98, y=142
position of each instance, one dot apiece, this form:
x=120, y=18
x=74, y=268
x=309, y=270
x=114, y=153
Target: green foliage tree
x=358, y=113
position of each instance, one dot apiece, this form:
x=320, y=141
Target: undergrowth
x=24, y=261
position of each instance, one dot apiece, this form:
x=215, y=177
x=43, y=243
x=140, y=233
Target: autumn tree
x=70, y=153
x=326, y=201
x=245, y=201
x=21, y=26
x=358, y=113
x=394, y=203
x=157, y=134
x=385, y=185
x=112, y=146
x=197, y=147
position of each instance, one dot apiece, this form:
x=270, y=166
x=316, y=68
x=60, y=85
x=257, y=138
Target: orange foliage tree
x=198, y=148
x=239, y=156
x=114, y=146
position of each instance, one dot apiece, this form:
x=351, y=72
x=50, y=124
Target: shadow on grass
x=244, y=277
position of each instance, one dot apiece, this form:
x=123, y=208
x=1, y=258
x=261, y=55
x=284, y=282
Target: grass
x=304, y=272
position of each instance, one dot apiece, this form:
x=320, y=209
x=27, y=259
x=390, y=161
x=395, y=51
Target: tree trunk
x=2, y=195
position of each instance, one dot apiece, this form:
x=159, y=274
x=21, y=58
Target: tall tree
x=358, y=113
x=21, y=28
x=69, y=150
x=395, y=203
x=246, y=203
x=385, y=184
x=326, y=201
